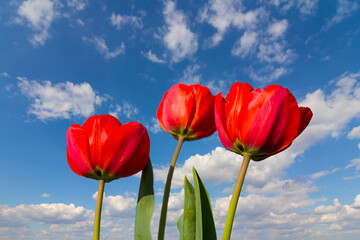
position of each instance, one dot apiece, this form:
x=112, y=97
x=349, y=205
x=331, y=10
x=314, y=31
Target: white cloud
x=332, y=112
x=345, y=9
x=152, y=57
x=305, y=7
x=118, y=206
x=354, y=133
x=268, y=73
x=77, y=4
x=102, y=48
x=61, y=100
x=125, y=109
x=154, y=127
x=224, y=14
x=322, y=173
x=178, y=38
x=191, y=75
x=354, y=163
x=278, y=28
x=39, y=15
x=246, y=44
x=43, y=213
x=275, y=53
x=45, y=195
x=4, y=74
x=118, y=21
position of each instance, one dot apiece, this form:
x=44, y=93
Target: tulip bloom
x=259, y=123
x=187, y=111
x=256, y=124
x=104, y=149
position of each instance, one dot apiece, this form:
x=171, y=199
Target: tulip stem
x=167, y=190
x=97, y=220
x=235, y=198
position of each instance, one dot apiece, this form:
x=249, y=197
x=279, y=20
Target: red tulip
x=259, y=123
x=104, y=149
x=187, y=111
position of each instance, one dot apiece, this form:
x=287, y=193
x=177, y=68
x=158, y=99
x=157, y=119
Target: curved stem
x=235, y=198
x=98, y=210
x=167, y=190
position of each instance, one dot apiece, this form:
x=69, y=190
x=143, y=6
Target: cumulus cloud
x=43, y=213
x=268, y=73
x=61, y=100
x=179, y=39
x=354, y=133
x=153, y=58
x=118, y=21
x=345, y=9
x=39, y=14
x=118, y=206
x=125, y=109
x=102, y=48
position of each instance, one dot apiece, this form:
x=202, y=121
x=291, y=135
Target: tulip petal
x=220, y=121
x=99, y=128
x=306, y=115
x=126, y=151
x=235, y=106
x=203, y=122
x=272, y=120
x=79, y=157
x=176, y=109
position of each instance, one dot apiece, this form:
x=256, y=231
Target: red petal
x=203, y=121
x=220, y=121
x=126, y=151
x=236, y=104
x=99, y=128
x=78, y=150
x=176, y=108
x=272, y=120
x=306, y=115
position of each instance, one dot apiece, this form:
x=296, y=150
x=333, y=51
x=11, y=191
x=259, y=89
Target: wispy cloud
x=118, y=21
x=100, y=45
x=77, y=4
x=345, y=9
x=125, y=109
x=153, y=58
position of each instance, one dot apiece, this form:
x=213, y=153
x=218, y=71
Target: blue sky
x=63, y=61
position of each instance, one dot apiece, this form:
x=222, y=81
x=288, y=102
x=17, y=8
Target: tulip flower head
x=187, y=111
x=103, y=149
x=258, y=123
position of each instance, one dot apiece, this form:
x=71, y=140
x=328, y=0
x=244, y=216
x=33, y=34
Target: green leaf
x=205, y=226
x=187, y=222
x=145, y=204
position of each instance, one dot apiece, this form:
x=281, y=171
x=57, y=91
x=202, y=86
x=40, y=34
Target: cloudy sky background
x=63, y=61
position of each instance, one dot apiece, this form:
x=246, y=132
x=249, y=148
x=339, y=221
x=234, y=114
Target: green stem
x=235, y=198
x=167, y=190
x=98, y=210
